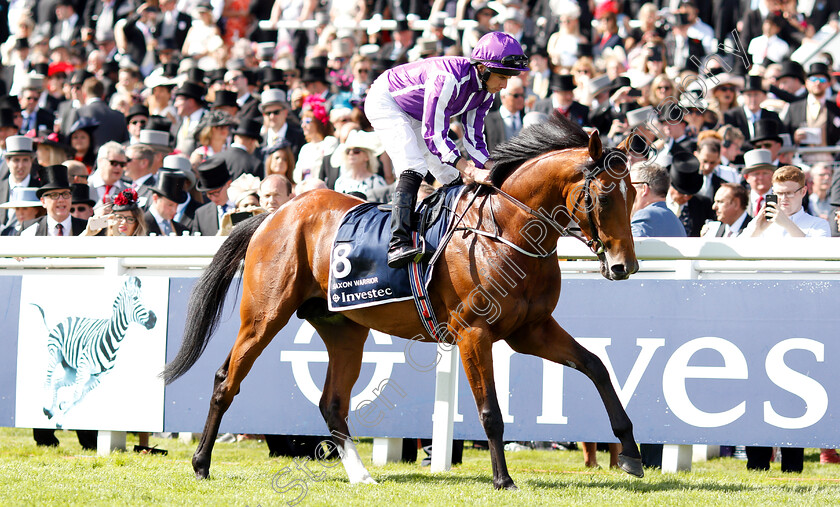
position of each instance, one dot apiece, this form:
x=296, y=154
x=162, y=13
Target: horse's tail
x=208, y=297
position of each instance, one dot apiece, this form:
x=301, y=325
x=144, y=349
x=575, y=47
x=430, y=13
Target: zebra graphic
x=86, y=348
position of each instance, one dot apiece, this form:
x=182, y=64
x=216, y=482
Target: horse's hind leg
x=261, y=317
x=344, y=341
x=550, y=341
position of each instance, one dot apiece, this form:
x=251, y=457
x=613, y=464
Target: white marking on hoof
x=356, y=471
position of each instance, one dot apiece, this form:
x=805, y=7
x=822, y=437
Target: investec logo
x=300, y=360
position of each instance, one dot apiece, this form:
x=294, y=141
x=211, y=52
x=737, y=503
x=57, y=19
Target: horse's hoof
x=632, y=466
x=505, y=484
x=202, y=471
x=368, y=480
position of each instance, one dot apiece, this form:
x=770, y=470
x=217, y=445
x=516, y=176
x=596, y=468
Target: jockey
x=411, y=106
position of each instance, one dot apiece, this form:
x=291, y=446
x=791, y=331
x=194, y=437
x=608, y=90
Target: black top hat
x=196, y=75
x=819, y=69
x=42, y=68
x=159, y=123
x=137, y=110
x=110, y=67
x=10, y=102
x=170, y=69
x=126, y=200
x=216, y=75
x=584, y=49
x=313, y=74
x=249, y=128
x=654, y=53
x=561, y=83
x=170, y=184
x=402, y=25
x=766, y=129
x=22, y=43
x=251, y=76
x=219, y=119
x=755, y=84
x=619, y=82
x=7, y=118
x=53, y=177
x=225, y=98
x=792, y=69
x=272, y=76
x=685, y=172
x=212, y=174
x=671, y=112
x=81, y=194
x=78, y=77
x=191, y=89
x=166, y=44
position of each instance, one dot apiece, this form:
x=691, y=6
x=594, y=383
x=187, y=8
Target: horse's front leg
x=550, y=341
x=477, y=357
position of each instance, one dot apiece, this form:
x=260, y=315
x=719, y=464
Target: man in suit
x=189, y=106
x=815, y=112
x=686, y=180
x=68, y=111
x=185, y=214
x=276, y=124
x=745, y=117
x=758, y=173
x=140, y=171
x=714, y=173
x=248, y=104
x=650, y=216
x=167, y=194
x=506, y=122
x=767, y=137
x=35, y=118
x=18, y=171
x=106, y=182
x=239, y=157
x=100, y=17
x=214, y=180
x=56, y=197
x=112, y=126
x=172, y=24
x=67, y=30
x=396, y=51
x=684, y=52
x=730, y=207
x=562, y=100
x=138, y=37
x=790, y=85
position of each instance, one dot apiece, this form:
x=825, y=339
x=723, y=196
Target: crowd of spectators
x=184, y=116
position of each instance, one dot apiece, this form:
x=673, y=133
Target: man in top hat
x=189, y=105
x=396, y=51
x=241, y=157
x=745, y=117
x=82, y=204
x=276, y=125
x=767, y=137
x=172, y=23
x=67, y=27
x=112, y=126
x=602, y=116
x=55, y=195
x=137, y=118
x=167, y=194
x=185, y=213
x=225, y=100
x=683, y=50
x=100, y=17
x=758, y=172
x=316, y=83
x=790, y=84
x=138, y=37
x=25, y=206
x=214, y=180
x=562, y=100
x=17, y=170
x=815, y=112
x=686, y=180
x=673, y=124
x=506, y=122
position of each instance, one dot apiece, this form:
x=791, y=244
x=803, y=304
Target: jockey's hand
x=470, y=173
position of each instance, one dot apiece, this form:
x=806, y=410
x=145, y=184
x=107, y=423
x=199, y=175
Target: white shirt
x=51, y=223
x=813, y=227
x=764, y=48
x=737, y=225
x=160, y=220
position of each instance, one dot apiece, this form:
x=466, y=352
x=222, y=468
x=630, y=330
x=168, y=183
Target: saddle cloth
x=359, y=272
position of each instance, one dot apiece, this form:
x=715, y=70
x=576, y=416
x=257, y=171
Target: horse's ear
x=595, y=148
x=625, y=145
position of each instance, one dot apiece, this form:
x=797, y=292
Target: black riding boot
x=401, y=250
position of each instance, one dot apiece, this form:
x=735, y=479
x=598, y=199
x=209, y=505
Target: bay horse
x=552, y=173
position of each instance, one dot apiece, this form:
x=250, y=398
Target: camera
x=767, y=200
x=240, y=216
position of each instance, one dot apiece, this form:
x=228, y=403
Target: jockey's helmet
x=501, y=53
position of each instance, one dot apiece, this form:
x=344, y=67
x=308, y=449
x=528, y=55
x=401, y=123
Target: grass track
x=242, y=474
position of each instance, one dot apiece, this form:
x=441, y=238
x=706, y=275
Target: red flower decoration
x=315, y=103
x=126, y=198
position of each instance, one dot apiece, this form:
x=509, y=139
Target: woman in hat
x=319, y=136
x=126, y=218
x=359, y=164
x=212, y=136
x=724, y=91
x=410, y=106
x=53, y=150
x=82, y=141
x=279, y=159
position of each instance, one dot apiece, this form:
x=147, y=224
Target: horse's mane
x=557, y=133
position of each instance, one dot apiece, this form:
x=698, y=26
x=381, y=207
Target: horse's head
x=602, y=201
x=133, y=305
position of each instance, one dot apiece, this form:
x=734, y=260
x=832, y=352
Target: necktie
x=758, y=205
x=59, y=230
x=167, y=229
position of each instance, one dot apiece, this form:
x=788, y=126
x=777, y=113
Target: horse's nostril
x=618, y=270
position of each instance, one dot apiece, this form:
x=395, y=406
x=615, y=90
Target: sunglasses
x=517, y=95
x=664, y=87
x=142, y=123
x=764, y=146
x=818, y=79
x=74, y=209
x=354, y=151
x=118, y=163
x=273, y=112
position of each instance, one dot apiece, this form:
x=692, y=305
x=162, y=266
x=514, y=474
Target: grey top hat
x=180, y=164
x=273, y=96
x=757, y=159
x=22, y=197
x=156, y=138
x=19, y=145
x=599, y=84
x=640, y=116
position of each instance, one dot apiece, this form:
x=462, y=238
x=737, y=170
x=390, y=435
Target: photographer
x=786, y=217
